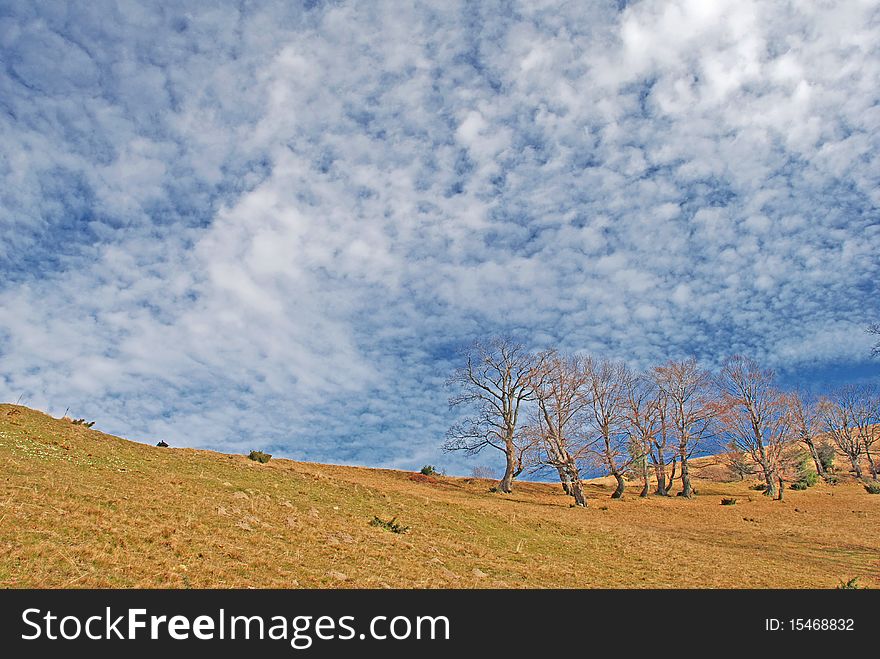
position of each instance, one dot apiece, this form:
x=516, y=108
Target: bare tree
x=561, y=392
x=692, y=409
x=493, y=385
x=805, y=413
x=661, y=442
x=757, y=416
x=866, y=416
x=838, y=414
x=850, y=416
x=738, y=462
x=606, y=416
x=482, y=471
x=644, y=408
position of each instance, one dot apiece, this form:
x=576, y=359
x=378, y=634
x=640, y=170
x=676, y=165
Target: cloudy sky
x=269, y=225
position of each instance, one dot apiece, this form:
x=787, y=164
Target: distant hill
x=79, y=508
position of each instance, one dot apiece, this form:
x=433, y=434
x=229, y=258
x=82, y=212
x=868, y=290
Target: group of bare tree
x=573, y=413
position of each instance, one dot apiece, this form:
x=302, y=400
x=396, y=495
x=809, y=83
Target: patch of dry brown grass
x=79, y=508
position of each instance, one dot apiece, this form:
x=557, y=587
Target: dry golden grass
x=79, y=508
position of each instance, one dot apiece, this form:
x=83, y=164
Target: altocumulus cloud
x=239, y=225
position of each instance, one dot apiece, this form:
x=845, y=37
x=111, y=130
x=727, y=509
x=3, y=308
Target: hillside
x=79, y=508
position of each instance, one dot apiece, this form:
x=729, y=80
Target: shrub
x=83, y=422
x=390, y=525
x=873, y=487
x=429, y=470
x=831, y=479
x=826, y=455
x=728, y=502
x=259, y=456
x=852, y=584
x=760, y=487
x=806, y=473
x=810, y=478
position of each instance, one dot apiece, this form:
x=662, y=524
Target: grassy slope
x=79, y=508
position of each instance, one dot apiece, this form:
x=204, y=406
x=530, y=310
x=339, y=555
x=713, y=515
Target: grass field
x=79, y=508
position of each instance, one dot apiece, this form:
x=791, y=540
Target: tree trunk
x=769, y=479
x=577, y=491
x=618, y=493
x=565, y=479
x=575, y=487
x=870, y=459
x=646, y=476
x=686, y=489
x=815, y=455
x=781, y=488
x=857, y=468
x=660, y=468
x=505, y=485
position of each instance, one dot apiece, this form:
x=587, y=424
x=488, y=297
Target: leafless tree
x=692, y=409
x=561, y=388
x=867, y=420
x=482, y=471
x=739, y=462
x=850, y=416
x=837, y=412
x=644, y=409
x=805, y=413
x=661, y=442
x=494, y=384
x=757, y=417
x=606, y=418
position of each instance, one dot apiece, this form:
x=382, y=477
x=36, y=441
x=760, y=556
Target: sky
x=272, y=225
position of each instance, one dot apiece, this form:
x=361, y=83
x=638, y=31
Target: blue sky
x=270, y=225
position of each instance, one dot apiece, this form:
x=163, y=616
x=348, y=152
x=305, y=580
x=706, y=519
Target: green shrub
x=826, y=455
x=429, y=470
x=873, y=487
x=806, y=472
x=390, y=525
x=852, y=584
x=259, y=456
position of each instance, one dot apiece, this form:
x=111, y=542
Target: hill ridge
x=80, y=508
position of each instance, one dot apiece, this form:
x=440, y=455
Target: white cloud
x=271, y=227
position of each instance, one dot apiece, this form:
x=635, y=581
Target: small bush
x=810, y=478
x=728, y=502
x=760, y=487
x=83, y=422
x=826, y=454
x=873, y=487
x=806, y=473
x=831, y=479
x=259, y=456
x=429, y=470
x=852, y=584
x=162, y=444
x=390, y=525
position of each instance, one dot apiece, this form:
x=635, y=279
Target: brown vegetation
x=79, y=508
